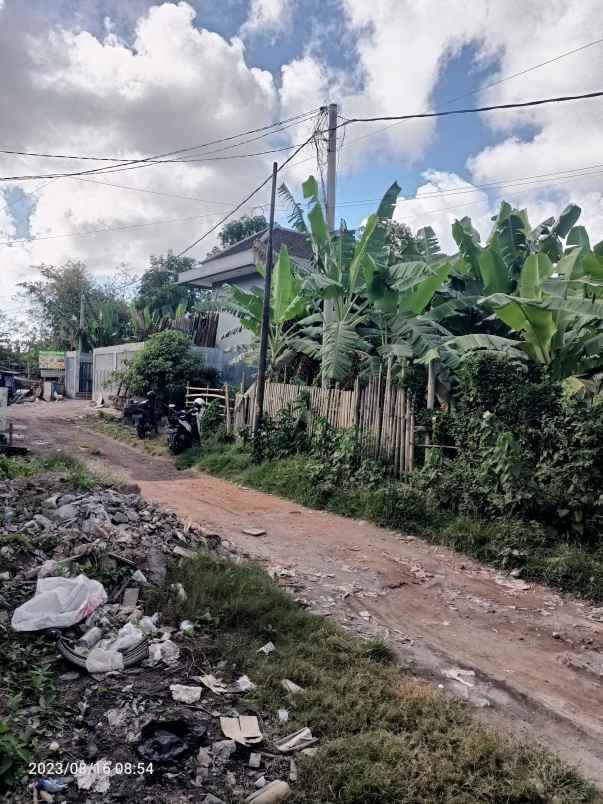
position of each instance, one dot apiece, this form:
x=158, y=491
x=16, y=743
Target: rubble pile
x=144, y=721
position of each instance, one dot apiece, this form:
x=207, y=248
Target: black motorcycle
x=144, y=414
x=183, y=430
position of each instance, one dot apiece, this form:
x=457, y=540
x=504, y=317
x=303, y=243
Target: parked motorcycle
x=184, y=426
x=144, y=414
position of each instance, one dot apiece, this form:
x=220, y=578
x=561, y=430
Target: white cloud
x=267, y=17
x=176, y=85
x=442, y=199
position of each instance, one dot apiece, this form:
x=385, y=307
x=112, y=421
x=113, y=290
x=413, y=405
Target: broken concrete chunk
x=296, y=741
x=184, y=694
x=244, y=684
x=66, y=512
x=283, y=715
x=244, y=730
x=292, y=771
x=204, y=758
x=514, y=584
x=90, y=638
x=222, y=750
x=466, y=677
x=254, y=531
x=139, y=577
x=255, y=760
x=273, y=792
x=183, y=552
x=211, y=799
x=166, y=651
x=267, y=649
x=212, y=683
x=291, y=686
x=130, y=597
x=94, y=777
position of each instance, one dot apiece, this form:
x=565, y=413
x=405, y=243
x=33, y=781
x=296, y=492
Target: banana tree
x=287, y=305
x=556, y=312
x=332, y=334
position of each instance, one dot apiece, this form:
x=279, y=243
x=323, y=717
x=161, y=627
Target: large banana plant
x=287, y=305
x=338, y=285
x=557, y=311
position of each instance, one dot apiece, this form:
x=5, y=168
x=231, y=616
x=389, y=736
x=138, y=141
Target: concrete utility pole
x=261, y=379
x=82, y=318
x=329, y=306
x=332, y=166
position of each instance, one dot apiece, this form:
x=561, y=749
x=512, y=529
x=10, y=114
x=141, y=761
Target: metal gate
x=85, y=378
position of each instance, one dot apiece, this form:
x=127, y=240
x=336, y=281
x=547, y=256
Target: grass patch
x=71, y=469
x=539, y=554
x=114, y=428
x=384, y=737
x=30, y=710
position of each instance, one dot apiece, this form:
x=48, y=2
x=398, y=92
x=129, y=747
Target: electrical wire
x=126, y=165
x=524, y=72
x=248, y=197
x=487, y=86
x=547, y=178
x=475, y=110
x=280, y=124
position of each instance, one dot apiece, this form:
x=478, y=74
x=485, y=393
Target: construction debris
x=291, y=687
x=185, y=694
x=254, y=531
x=296, y=741
x=244, y=729
x=127, y=656
x=273, y=792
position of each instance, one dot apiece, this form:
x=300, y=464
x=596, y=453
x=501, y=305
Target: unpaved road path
x=537, y=656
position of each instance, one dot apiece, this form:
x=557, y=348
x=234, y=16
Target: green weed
x=383, y=736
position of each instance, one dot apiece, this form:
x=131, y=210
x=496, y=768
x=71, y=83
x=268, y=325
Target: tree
x=242, y=228
x=165, y=365
x=287, y=304
x=55, y=300
x=159, y=291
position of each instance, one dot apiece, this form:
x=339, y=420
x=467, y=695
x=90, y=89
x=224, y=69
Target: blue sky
x=104, y=77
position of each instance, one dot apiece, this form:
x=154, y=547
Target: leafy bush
x=165, y=365
x=525, y=450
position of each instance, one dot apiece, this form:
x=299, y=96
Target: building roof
x=297, y=244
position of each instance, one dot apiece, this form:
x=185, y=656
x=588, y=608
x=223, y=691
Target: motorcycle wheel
x=177, y=443
x=141, y=430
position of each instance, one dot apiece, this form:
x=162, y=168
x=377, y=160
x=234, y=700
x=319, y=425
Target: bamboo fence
x=382, y=413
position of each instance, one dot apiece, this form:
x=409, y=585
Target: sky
x=128, y=80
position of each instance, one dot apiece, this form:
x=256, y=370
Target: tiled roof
x=297, y=244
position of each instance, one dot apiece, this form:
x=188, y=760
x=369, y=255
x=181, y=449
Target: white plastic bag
x=59, y=603
x=101, y=660
x=127, y=637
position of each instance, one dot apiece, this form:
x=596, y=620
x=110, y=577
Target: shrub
x=165, y=365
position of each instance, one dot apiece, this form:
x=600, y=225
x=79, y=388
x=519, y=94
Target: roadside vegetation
x=384, y=737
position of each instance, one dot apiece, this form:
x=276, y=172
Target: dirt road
x=535, y=658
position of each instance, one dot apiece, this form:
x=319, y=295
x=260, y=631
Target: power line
x=248, y=197
x=553, y=177
x=152, y=192
x=475, y=110
x=487, y=86
x=105, y=229
x=527, y=70
x=279, y=124
x=129, y=164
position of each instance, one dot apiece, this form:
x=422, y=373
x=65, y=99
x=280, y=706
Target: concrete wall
x=109, y=359
x=105, y=361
